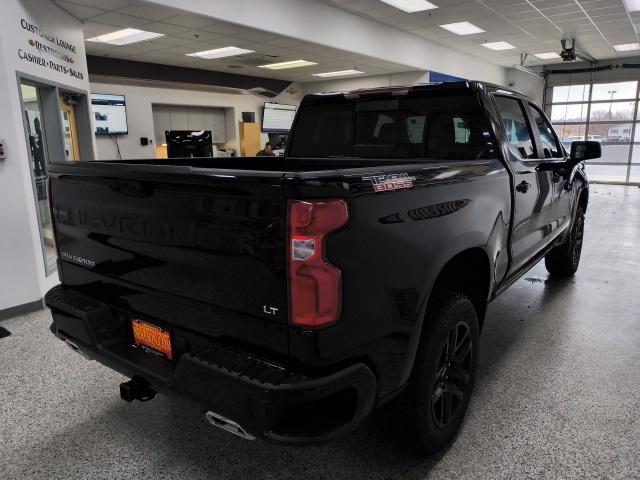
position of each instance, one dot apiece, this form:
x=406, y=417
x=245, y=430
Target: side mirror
x=585, y=150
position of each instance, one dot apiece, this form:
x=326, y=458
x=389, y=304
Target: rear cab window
x=431, y=125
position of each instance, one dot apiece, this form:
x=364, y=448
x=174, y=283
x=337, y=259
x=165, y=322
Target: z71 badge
x=385, y=183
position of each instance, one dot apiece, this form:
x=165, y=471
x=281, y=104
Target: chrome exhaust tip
x=230, y=426
x=76, y=349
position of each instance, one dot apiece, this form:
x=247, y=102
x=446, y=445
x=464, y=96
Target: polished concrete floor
x=557, y=395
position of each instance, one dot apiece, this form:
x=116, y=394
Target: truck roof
x=473, y=85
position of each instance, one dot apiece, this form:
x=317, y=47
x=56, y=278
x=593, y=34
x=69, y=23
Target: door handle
x=523, y=187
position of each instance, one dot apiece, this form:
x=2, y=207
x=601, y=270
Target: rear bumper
x=267, y=400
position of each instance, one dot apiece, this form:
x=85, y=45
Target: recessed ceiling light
x=632, y=5
x=220, y=52
x=498, y=45
x=627, y=47
x=462, y=28
x=411, y=6
x=291, y=64
x=547, y=55
x=340, y=73
x=125, y=37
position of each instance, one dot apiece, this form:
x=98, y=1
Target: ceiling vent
x=263, y=92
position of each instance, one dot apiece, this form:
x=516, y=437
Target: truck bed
x=275, y=165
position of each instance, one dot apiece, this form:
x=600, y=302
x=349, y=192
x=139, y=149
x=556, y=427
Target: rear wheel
x=427, y=415
x=563, y=260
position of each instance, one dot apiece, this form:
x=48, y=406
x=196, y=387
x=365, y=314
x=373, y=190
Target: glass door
x=37, y=146
x=606, y=113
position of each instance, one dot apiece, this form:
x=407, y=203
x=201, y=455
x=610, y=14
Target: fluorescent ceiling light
x=340, y=73
x=411, y=6
x=632, y=5
x=462, y=28
x=291, y=64
x=627, y=47
x=547, y=55
x=125, y=37
x=220, y=52
x=498, y=45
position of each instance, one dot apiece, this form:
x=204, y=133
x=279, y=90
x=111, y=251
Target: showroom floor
x=557, y=394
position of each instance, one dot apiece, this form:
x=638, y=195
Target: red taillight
x=314, y=283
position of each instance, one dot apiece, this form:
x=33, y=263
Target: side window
x=415, y=128
x=375, y=128
x=515, y=124
x=385, y=122
x=462, y=132
x=550, y=145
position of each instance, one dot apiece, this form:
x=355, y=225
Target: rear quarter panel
x=396, y=244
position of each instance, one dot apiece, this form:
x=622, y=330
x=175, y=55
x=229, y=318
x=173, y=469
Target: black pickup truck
x=290, y=297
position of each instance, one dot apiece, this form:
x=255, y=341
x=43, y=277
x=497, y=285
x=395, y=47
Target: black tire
x=416, y=418
x=563, y=260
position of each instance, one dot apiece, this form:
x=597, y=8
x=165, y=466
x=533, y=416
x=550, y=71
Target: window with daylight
x=606, y=112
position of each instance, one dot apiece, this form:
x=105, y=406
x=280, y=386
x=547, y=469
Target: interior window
x=548, y=138
x=516, y=126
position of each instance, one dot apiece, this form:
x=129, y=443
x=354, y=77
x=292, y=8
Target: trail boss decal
x=396, y=181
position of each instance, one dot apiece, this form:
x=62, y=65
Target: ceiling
x=188, y=33
x=532, y=26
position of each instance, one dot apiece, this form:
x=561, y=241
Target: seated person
x=267, y=151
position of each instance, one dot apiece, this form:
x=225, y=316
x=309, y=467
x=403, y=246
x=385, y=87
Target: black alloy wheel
x=426, y=416
x=577, y=235
x=563, y=260
x=452, y=374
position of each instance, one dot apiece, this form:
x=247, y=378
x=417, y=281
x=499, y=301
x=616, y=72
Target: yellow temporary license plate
x=152, y=337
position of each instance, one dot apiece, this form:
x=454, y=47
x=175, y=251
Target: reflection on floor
x=557, y=393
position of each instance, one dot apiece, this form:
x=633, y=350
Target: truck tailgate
x=214, y=239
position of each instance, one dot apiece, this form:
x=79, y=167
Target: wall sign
x=49, y=51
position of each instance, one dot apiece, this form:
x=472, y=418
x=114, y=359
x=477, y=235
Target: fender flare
x=417, y=332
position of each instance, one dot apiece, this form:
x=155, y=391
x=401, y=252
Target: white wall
x=527, y=83
x=140, y=115
x=355, y=83
x=22, y=273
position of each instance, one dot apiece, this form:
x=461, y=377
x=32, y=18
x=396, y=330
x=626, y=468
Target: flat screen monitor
x=189, y=143
x=109, y=113
x=277, y=118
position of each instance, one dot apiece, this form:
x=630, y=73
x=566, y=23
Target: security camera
x=568, y=52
